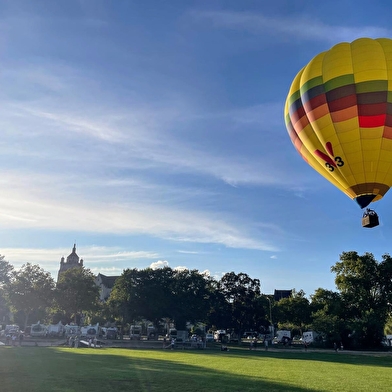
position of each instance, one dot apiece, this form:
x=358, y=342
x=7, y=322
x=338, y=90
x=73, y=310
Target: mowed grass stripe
x=65, y=369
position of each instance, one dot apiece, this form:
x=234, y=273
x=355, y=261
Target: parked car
x=209, y=337
x=220, y=335
x=250, y=335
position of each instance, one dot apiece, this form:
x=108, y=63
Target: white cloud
x=180, y=268
x=113, y=271
x=29, y=206
x=106, y=260
x=306, y=28
x=159, y=264
x=79, y=121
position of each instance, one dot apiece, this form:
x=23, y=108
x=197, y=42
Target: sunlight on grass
x=64, y=369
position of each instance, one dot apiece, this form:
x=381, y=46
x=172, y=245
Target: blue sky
x=151, y=133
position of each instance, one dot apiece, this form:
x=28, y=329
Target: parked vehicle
x=71, y=330
x=56, y=329
x=111, y=333
x=10, y=330
x=209, y=337
x=250, y=335
x=91, y=331
x=151, y=333
x=309, y=337
x=282, y=336
x=39, y=330
x=220, y=335
x=135, y=332
x=182, y=336
x=387, y=341
x=172, y=334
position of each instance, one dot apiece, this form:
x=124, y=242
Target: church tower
x=71, y=262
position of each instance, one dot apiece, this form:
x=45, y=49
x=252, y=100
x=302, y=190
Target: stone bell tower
x=71, y=262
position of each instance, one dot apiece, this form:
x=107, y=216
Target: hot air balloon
x=338, y=114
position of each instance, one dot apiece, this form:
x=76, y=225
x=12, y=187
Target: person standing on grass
x=266, y=344
x=20, y=339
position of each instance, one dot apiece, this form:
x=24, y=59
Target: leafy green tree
x=123, y=297
x=219, y=312
x=242, y=293
x=188, y=298
x=5, y=271
x=294, y=311
x=161, y=293
x=388, y=326
x=153, y=297
x=328, y=315
x=366, y=288
x=5, y=274
x=77, y=293
x=30, y=289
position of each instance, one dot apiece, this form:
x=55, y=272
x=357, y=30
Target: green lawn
x=51, y=369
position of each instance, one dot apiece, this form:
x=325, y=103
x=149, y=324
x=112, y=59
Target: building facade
x=72, y=261
x=105, y=283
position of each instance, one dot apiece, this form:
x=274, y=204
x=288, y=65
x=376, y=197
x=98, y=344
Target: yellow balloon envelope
x=338, y=114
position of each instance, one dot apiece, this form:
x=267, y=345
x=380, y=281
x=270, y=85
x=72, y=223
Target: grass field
x=49, y=369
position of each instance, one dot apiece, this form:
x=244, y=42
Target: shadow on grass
x=52, y=369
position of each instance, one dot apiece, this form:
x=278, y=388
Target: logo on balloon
x=331, y=162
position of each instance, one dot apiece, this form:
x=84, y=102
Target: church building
x=71, y=262
x=105, y=283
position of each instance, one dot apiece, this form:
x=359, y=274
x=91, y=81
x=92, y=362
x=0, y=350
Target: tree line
x=358, y=314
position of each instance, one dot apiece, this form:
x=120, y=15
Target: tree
x=328, y=315
x=294, y=311
x=30, y=289
x=188, y=297
x=123, y=298
x=77, y=293
x=242, y=293
x=5, y=274
x=153, y=294
x=219, y=313
x=161, y=293
x=366, y=288
x=5, y=271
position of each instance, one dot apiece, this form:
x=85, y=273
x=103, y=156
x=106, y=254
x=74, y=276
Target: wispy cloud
x=292, y=27
x=44, y=208
x=106, y=260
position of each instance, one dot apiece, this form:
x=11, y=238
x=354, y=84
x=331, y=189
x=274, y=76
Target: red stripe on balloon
x=324, y=156
x=329, y=148
x=372, y=121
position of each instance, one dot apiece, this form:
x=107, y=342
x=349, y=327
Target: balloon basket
x=370, y=219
